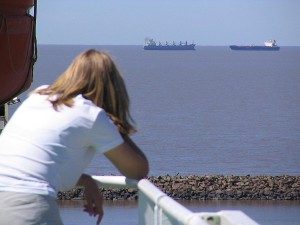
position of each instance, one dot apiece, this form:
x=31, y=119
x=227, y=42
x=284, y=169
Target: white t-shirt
x=43, y=150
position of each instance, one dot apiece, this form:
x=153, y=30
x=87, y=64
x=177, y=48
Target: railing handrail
x=115, y=182
x=150, y=195
x=167, y=204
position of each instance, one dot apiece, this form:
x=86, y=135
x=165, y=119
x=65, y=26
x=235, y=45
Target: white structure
x=156, y=208
x=270, y=43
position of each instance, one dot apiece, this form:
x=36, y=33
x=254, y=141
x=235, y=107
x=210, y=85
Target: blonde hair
x=94, y=75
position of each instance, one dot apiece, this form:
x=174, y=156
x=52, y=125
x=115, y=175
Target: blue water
x=126, y=212
x=209, y=111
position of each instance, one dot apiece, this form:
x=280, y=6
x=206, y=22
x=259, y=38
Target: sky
x=204, y=22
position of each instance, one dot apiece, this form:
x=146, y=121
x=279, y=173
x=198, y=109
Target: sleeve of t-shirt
x=104, y=134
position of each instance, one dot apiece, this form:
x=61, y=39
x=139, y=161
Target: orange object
x=17, y=48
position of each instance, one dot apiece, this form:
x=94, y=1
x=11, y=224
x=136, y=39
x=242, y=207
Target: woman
x=54, y=134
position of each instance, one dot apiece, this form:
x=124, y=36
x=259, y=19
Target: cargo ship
x=270, y=45
x=150, y=44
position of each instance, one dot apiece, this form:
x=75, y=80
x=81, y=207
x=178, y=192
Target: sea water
x=208, y=111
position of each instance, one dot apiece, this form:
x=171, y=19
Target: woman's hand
x=94, y=198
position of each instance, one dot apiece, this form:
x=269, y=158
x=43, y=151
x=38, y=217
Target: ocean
x=209, y=111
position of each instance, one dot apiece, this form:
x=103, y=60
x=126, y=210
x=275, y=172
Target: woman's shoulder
x=82, y=101
x=87, y=106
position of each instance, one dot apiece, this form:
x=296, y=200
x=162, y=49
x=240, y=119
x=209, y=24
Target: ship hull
x=169, y=47
x=255, y=48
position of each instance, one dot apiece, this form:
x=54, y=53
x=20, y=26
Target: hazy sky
x=204, y=22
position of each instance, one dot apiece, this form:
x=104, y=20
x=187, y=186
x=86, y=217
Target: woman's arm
x=129, y=159
x=93, y=196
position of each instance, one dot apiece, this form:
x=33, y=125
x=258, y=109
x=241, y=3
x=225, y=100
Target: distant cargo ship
x=150, y=44
x=268, y=46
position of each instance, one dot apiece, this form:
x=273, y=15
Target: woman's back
x=41, y=144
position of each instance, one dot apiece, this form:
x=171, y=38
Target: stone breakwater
x=208, y=187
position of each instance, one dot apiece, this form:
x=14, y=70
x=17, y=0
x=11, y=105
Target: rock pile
x=209, y=187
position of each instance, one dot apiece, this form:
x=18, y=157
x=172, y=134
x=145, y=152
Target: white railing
x=157, y=208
